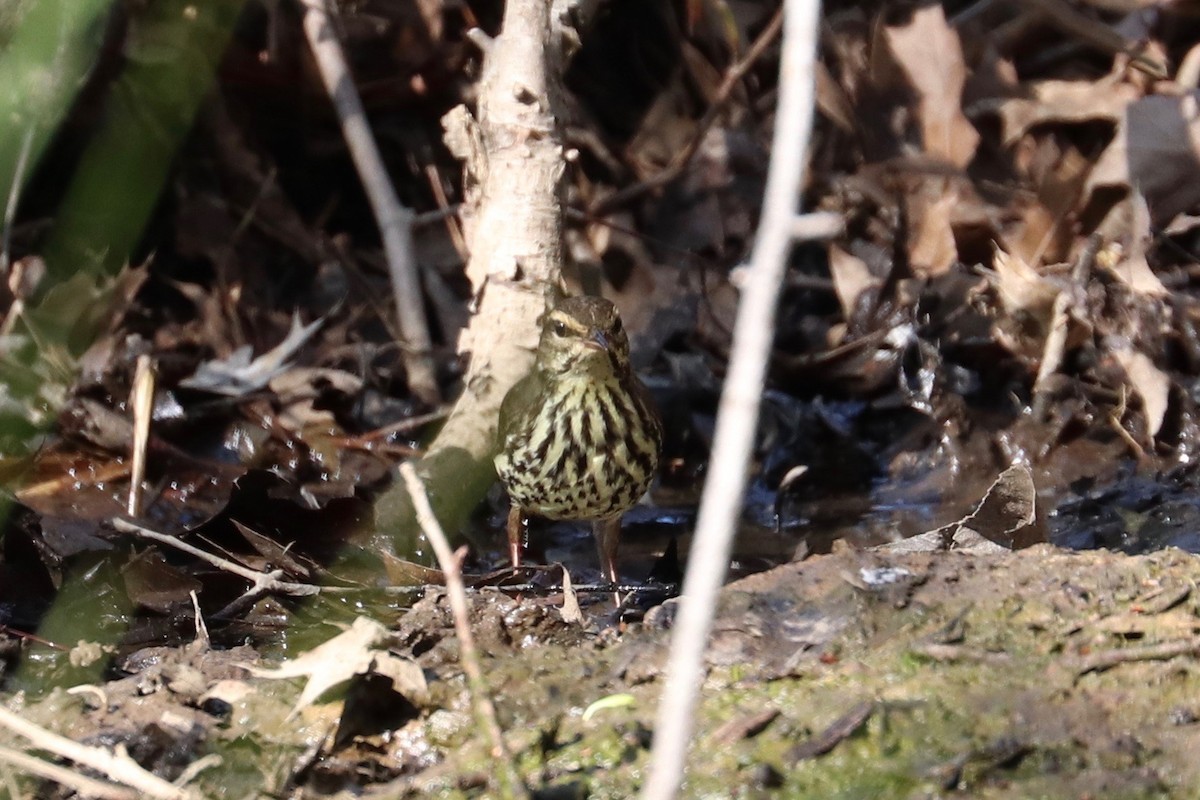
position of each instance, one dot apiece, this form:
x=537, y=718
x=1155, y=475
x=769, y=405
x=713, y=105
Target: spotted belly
x=590, y=453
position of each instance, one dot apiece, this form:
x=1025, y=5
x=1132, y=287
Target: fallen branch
x=80, y=784
x=261, y=582
x=394, y=220
x=1107, y=659
x=115, y=764
x=485, y=712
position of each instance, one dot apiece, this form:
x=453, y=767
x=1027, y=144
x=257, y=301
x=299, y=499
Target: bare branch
x=512, y=150
x=116, y=764
x=394, y=219
x=261, y=582
x=80, y=784
x=740, y=398
x=485, y=712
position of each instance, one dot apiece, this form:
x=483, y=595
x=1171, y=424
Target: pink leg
x=516, y=534
x=608, y=538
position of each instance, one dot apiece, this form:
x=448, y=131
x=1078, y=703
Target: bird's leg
x=516, y=535
x=608, y=537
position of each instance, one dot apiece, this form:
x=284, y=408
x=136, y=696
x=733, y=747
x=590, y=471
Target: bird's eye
x=559, y=328
x=616, y=326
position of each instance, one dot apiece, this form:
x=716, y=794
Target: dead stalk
x=262, y=582
x=1163, y=651
x=116, y=764
x=733, y=76
x=394, y=219
x=14, y=196
x=485, y=711
x=141, y=400
x=740, y=399
x=63, y=776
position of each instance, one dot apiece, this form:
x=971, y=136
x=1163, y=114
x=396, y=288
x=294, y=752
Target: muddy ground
x=860, y=674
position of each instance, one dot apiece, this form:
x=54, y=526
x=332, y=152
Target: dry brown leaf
x=1021, y=288
x=1135, y=272
x=851, y=277
x=355, y=651
x=929, y=52
x=1007, y=509
x=1005, y=518
x=832, y=101
x=1157, y=152
x=1127, y=227
x=1044, y=234
x=1150, y=383
x=1062, y=101
x=932, y=250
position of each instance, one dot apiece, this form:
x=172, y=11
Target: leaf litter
x=1014, y=295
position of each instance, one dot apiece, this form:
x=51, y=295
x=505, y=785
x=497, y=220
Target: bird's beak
x=598, y=342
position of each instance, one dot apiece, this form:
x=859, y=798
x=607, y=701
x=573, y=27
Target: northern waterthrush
x=579, y=436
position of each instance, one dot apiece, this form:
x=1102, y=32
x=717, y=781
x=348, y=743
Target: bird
x=579, y=436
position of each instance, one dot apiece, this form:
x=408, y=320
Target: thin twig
x=1091, y=32
x=838, y=731
x=394, y=219
x=262, y=582
x=1107, y=659
x=115, y=764
x=733, y=76
x=14, y=195
x=30, y=637
x=439, y=197
x=71, y=779
x=1065, y=303
x=141, y=401
x=485, y=711
x=740, y=399
x=403, y=426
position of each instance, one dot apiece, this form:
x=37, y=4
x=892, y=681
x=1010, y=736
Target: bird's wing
x=519, y=406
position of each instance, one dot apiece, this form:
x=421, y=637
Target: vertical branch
x=740, y=400
x=394, y=219
x=451, y=563
x=513, y=155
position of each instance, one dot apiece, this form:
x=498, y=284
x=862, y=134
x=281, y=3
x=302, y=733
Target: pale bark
x=393, y=218
x=513, y=155
x=737, y=415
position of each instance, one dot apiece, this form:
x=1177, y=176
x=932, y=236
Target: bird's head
x=583, y=335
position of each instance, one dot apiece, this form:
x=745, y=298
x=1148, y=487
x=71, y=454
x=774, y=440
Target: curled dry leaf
x=1150, y=383
x=932, y=249
x=238, y=375
x=929, y=52
x=1060, y=101
x=1005, y=518
x=1021, y=288
x=1007, y=509
x=1129, y=222
x=353, y=652
x=851, y=277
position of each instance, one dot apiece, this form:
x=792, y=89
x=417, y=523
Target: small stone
x=448, y=729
